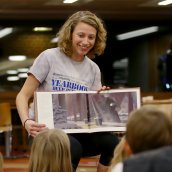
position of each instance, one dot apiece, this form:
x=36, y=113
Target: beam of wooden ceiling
x=107, y=9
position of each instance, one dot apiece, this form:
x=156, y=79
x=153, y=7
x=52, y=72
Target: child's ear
x=127, y=148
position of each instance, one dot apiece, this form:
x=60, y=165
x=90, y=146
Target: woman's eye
x=91, y=37
x=81, y=35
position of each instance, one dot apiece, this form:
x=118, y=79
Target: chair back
x=5, y=117
x=164, y=105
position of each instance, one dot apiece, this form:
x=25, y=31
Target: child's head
x=119, y=154
x=148, y=128
x=50, y=152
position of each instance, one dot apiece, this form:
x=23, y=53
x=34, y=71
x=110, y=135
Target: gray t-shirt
x=58, y=72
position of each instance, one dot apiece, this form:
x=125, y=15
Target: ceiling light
x=165, y=2
x=42, y=29
x=22, y=70
x=69, y=1
x=17, y=58
x=5, y=32
x=12, y=78
x=137, y=33
x=22, y=75
x=123, y=63
x=11, y=72
x=54, y=40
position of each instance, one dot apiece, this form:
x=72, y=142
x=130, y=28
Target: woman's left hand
x=103, y=88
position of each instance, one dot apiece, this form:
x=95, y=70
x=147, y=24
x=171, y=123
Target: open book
x=86, y=111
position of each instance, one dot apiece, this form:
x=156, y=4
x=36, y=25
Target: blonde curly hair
x=65, y=33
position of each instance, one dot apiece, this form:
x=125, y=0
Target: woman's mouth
x=84, y=48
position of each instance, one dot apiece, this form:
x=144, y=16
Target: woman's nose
x=85, y=40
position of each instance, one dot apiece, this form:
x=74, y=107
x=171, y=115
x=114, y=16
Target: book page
x=70, y=111
x=44, y=109
x=109, y=111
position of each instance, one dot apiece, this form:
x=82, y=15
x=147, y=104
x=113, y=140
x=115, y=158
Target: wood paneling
x=8, y=96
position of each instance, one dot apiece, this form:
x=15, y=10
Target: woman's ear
x=127, y=148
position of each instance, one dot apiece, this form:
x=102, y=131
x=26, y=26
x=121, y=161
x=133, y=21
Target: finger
x=34, y=133
x=43, y=128
x=36, y=128
x=103, y=88
x=108, y=88
x=38, y=125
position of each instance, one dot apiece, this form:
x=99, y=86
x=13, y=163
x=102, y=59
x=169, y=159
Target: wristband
x=26, y=121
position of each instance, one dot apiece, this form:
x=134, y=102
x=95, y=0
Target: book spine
x=88, y=110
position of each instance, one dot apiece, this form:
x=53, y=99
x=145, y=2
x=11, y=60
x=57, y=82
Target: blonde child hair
x=119, y=154
x=148, y=128
x=50, y=152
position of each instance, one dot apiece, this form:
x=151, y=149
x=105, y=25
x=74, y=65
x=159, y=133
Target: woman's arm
x=22, y=101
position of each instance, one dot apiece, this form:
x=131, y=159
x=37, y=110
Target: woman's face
x=83, y=40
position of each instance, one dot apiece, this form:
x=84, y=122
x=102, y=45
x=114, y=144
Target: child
x=50, y=152
x=147, y=128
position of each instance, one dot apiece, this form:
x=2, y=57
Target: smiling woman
x=68, y=67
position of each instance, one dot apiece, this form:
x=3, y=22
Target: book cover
x=86, y=111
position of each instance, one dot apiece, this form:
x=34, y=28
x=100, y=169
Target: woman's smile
x=83, y=40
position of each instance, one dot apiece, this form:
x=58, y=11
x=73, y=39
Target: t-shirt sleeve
x=40, y=67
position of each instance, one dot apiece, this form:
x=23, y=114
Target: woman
x=81, y=37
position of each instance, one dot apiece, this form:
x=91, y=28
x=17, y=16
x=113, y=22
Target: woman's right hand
x=33, y=128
